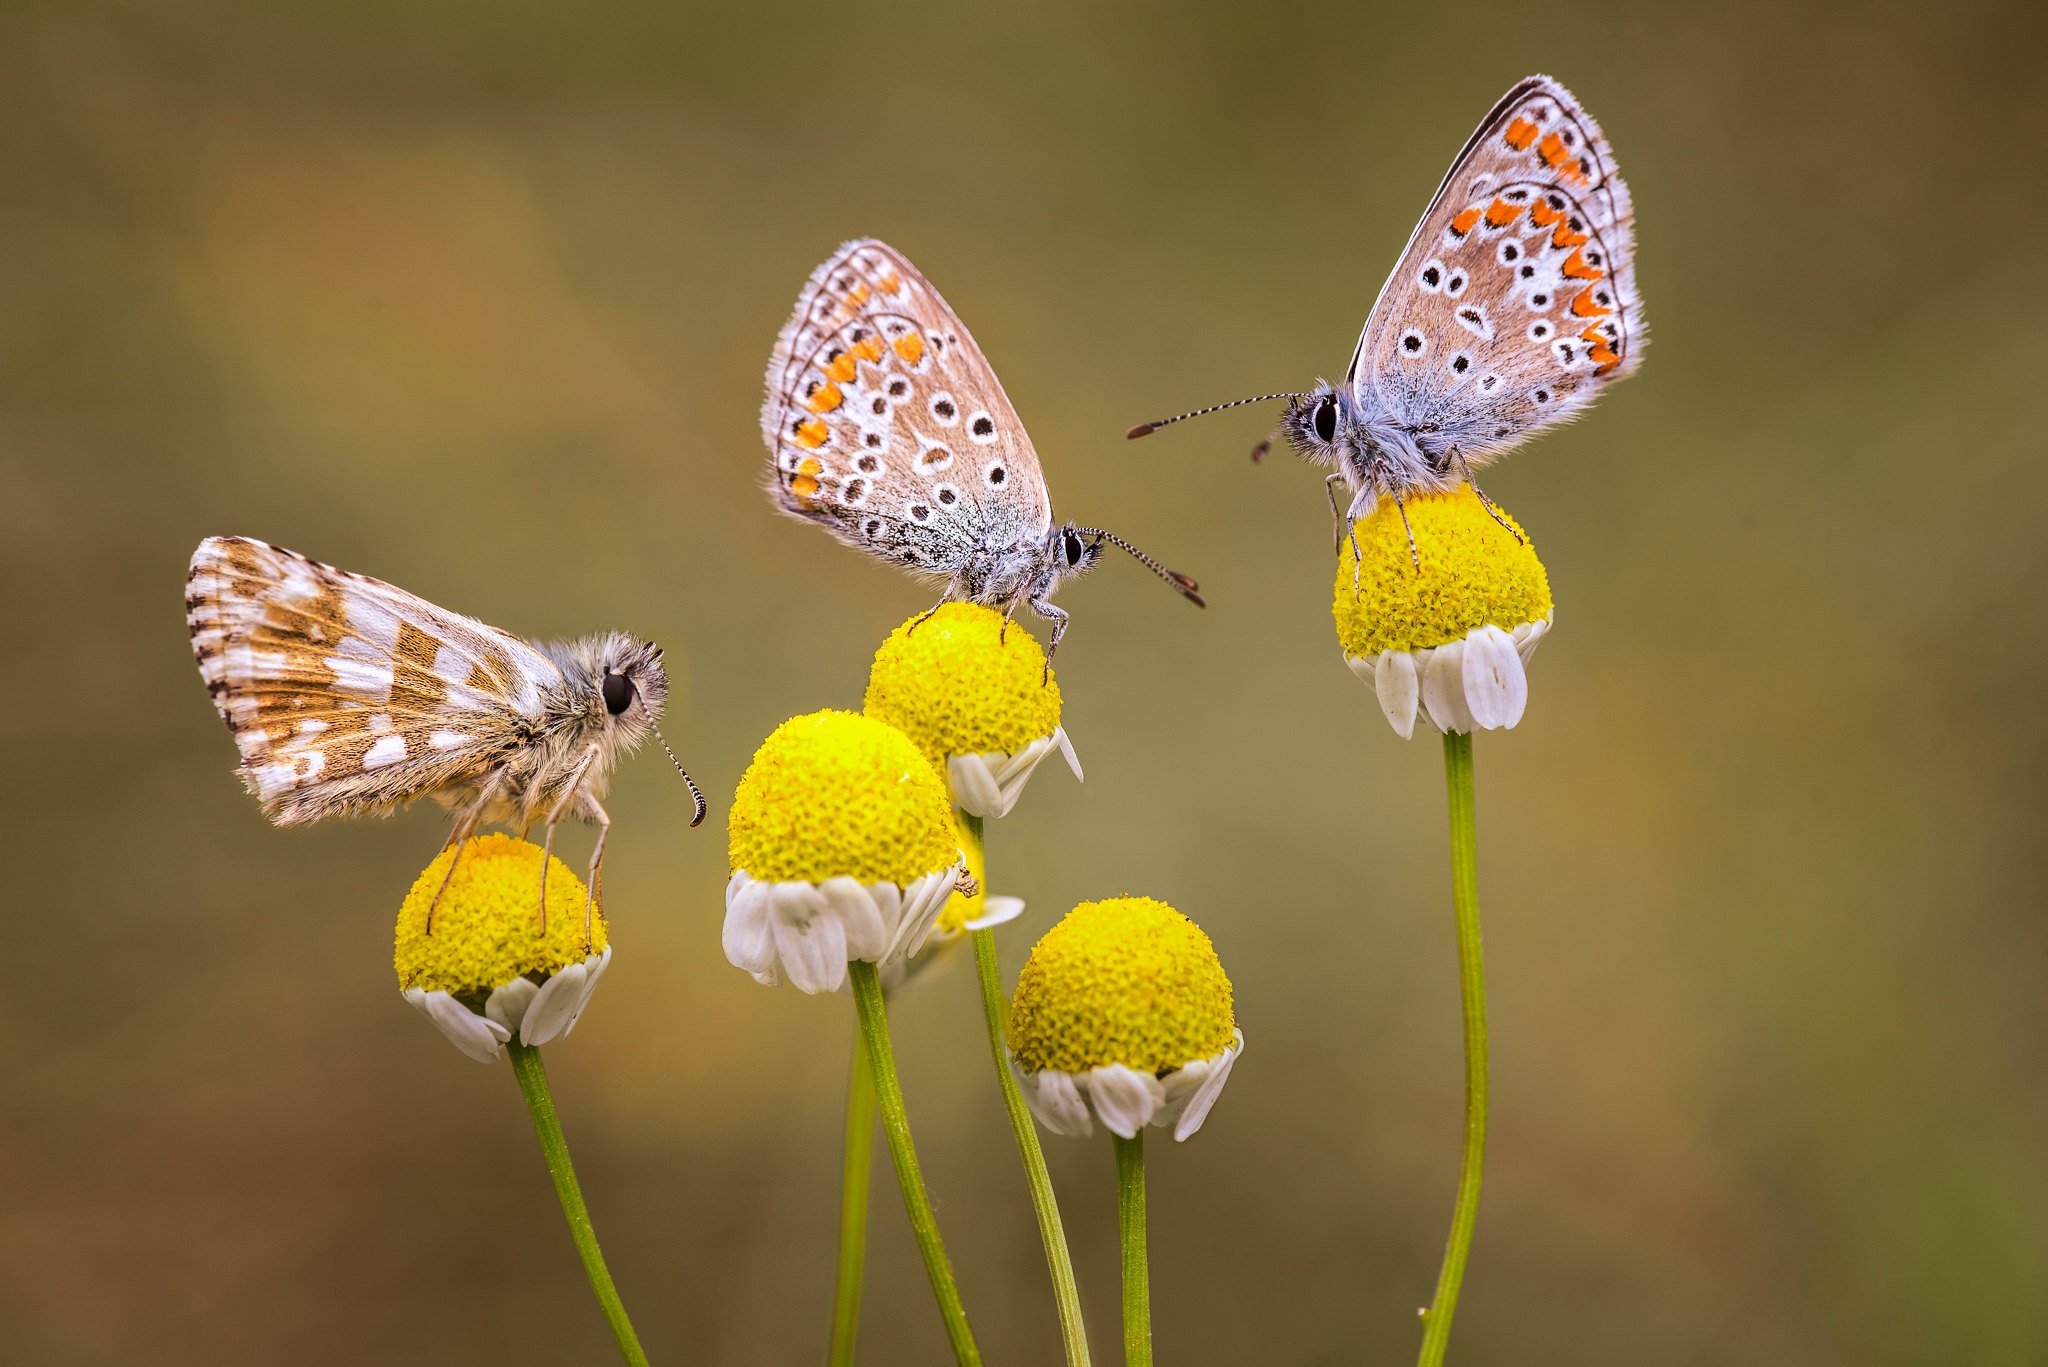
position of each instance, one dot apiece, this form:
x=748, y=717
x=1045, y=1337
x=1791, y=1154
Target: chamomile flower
x=1123, y=1015
x=1448, y=639
x=490, y=967
x=842, y=848
x=976, y=698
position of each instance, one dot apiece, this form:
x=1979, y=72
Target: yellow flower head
x=487, y=925
x=1474, y=573
x=836, y=794
x=959, y=684
x=1127, y=980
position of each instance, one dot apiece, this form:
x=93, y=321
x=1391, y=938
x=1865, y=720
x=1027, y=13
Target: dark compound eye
x=618, y=693
x=1325, y=420
x=1071, y=546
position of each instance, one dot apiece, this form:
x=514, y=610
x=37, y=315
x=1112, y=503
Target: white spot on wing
x=389, y=750
x=447, y=740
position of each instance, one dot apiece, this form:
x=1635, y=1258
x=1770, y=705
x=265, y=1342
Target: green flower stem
x=533, y=1084
x=994, y=1009
x=1130, y=1228
x=1436, y=1321
x=853, y=1207
x=874, y=1028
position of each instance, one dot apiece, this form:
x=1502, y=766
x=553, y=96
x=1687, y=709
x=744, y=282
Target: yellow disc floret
x=836, y=793
x=1474, y=572
x=1127, y=980
x=957, y=683
x=487, y=925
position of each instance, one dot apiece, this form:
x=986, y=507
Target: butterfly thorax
x=1386, y=445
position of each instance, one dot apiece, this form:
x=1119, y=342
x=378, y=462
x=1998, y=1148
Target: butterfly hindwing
x=887, y=425
x=1514, y=302
x=345, y=693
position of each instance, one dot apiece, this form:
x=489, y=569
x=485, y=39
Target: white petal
x=809, y=941
x=508, y=1004
x=1124, y=1097
x=1210, y=1088
x=596, y=964
x=1059, y=733
x=974, y=787
x=1366, y=667
x=998, y=910
x=749, y=939
x=555, y=1005
x=474, y=1035
x=921, y=913
x=1055, y=1100
x=1496, y=689
x=866, y=936
x=1528, y=636
x=1398, y=691
x=1443, y=688
x=889, y=906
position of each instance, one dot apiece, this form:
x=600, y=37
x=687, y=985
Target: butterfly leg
x=1484, y=501
x=1408, y=529
x=458, y=836
x=547, y=847
x=1059, y=617
x=944, y=599
x=596, y=812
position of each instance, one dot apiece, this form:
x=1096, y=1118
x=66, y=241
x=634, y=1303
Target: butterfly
x=1513, y=305
x=886, y=425
x=346, y=695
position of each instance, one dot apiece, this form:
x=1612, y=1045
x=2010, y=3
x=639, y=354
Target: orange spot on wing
x=857, y=296
x=1584, y=305
x=869, y=349
x=826, y=399
x=1520, y=134
x=1552, y=149
x=889, y=283
x=841, y=367
x=910, y=346
x=1575, y=266
x=1565, y=237
x=1542, y=215
x=1465, y=222
x=1500, y=213
x=812, y=433
x=804, y=482
x=1601, y=352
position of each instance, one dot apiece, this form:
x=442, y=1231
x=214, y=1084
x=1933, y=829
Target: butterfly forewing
x=1514, y=301
x=345, y=693
x=888, y=426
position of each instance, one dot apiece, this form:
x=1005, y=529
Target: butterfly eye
x=1325, y=420
x=618, y=693
x=1071, y=546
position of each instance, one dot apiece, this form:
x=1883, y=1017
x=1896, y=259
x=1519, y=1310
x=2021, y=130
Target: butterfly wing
x=886, y=425
x=346, y=694
x=1514, y=302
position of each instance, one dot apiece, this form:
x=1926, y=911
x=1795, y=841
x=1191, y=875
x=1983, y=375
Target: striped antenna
x=695, y=791
x=1146, y=429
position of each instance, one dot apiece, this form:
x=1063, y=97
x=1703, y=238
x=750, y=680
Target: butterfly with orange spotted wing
x=1512, y=307
x=886, y=425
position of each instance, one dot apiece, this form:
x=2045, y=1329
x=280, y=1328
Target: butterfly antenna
x=702, y=806
x=1181, y=583
x=1146, y=429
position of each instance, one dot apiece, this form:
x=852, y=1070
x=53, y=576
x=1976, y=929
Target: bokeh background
x=476, y=298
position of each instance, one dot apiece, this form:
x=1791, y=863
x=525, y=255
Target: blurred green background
x=476, y=298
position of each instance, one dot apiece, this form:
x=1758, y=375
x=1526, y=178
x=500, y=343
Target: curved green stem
x=1130, y=1228
x=853, y=1207
x=874, y=1028
x=1436, y=1321
x=994, y=1008
x=533, y=1084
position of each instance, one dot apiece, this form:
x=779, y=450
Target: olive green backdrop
x=476, y=298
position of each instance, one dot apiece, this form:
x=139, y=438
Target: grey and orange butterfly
x=886, y=425
x=1513, y=305
x=348, y=695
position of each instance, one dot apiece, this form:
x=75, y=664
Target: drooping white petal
x=1055, y=1100
x=749, y=938
x=1399, y=690
x=922, y=903
x=1124, y=1098
x=1210, y=1087
x=810, y=943
x=1443, y=688
x=596, y=964
x=1496, y=689
x=1059, y=733
x=476, y=1036
x=997, y=911
x=508, y=1005
x=1529, y=635
x=555, y=1005
x=974, y=785
x=866, y=936
x=1366, y=667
